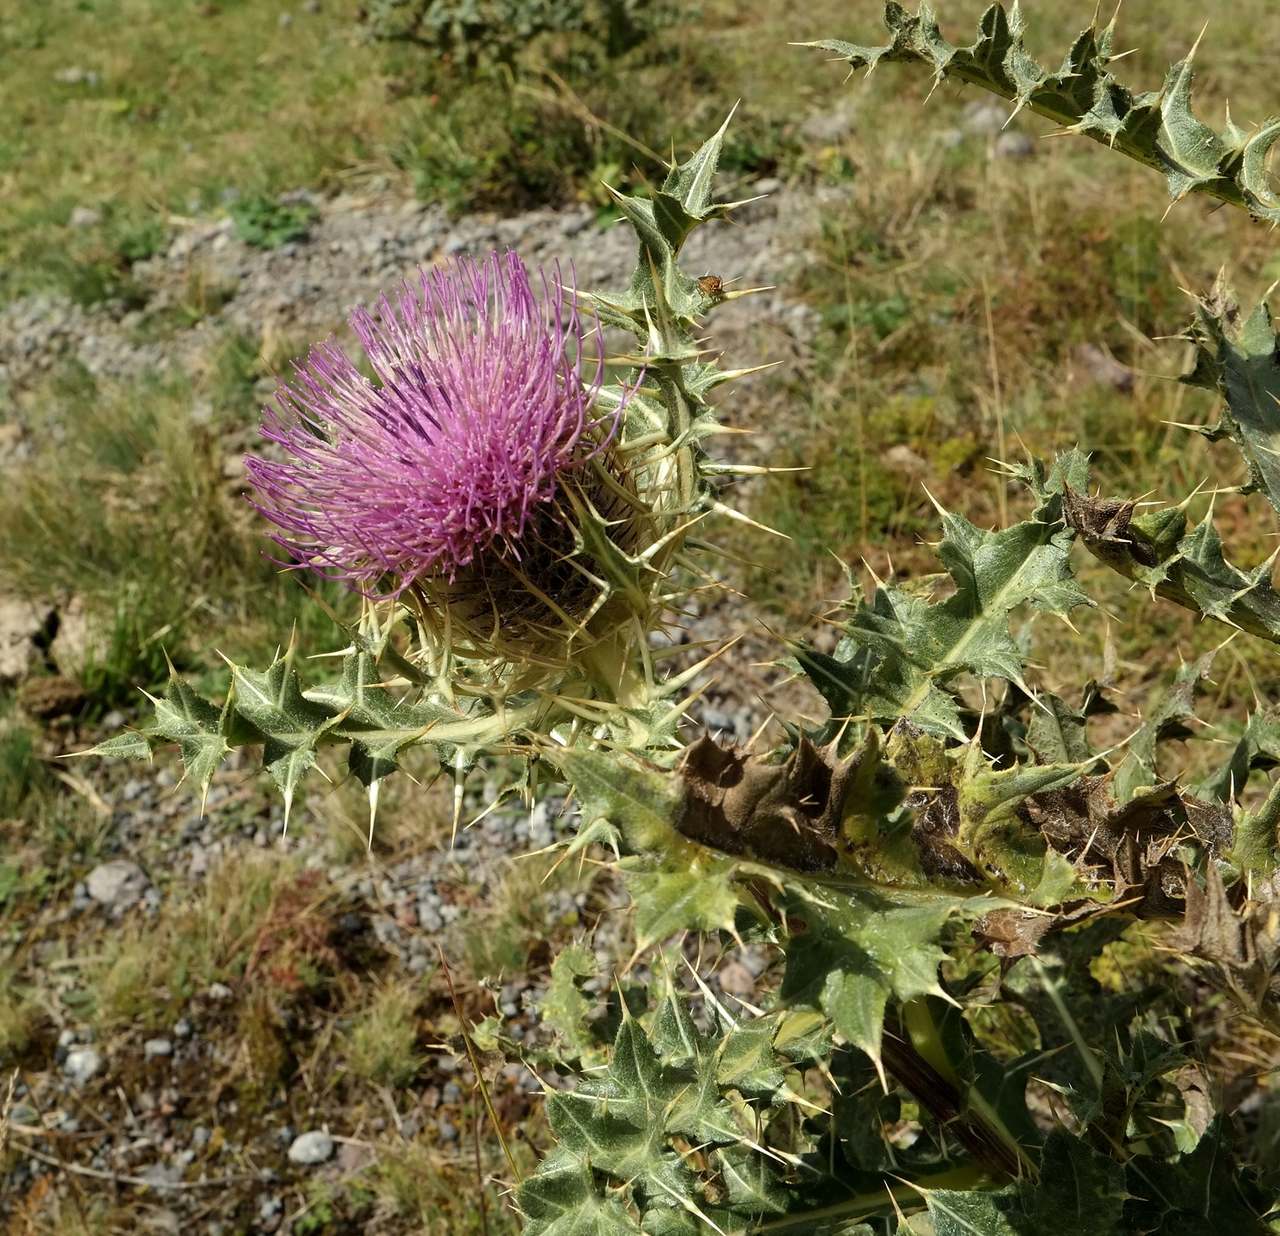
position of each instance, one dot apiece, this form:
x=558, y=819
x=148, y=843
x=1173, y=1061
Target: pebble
x=117, y=884
x=182, y=1028
x=85, y=216
x=1015, y=145
x=155, y=1048
x=75, y=76
x=82, y=1065
x=219, y=992
x=309, y=1149
x=986, y=119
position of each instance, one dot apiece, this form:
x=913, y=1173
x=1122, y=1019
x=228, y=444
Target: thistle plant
x=951, y=874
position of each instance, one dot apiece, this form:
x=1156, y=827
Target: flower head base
x=479, y=413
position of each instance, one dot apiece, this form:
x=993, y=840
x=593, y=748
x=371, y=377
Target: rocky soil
x=360, y=248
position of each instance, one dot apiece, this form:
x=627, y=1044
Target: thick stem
x=918, y=1059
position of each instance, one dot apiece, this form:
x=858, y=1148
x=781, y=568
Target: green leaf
x=377, y=724
x=1157, y=128
x=291, y=725
x=1077, y=1193
x=643, y=803
x=1058, y=733
x=561, y=1199
x=899, y=653
x=131, y=745
x=972, y=1212
x=199, y=729
x=671, y=901
x=564, y=1008
x=623, y=1132
x=1257, y=747
x=862, y=947
x=1164, y=719
x=1237, y=357
x=994, y=837
x=753, y=1187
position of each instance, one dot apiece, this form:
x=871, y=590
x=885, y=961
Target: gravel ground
x=358, y=249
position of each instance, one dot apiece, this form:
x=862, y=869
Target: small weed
x=21, y=773
x=18, y=1015
x=224, y=933
x=384, y=1037
x=268, y=224
x=417, y=1182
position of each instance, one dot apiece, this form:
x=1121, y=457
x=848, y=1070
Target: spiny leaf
x=1164, y=719
x=1157, y=551
x=1058, y=732
x=199, y=728
x=864, y=947
x=899, y=653
x=1237, y=357
x=643, y=803
x=1077, y=1193
x=561, y=1199
x=1157, y=128
x=564, y=1008
x=131, y=745
x=620, y=1130
x=992, y=835
x=671, y=901
x=1257, y=747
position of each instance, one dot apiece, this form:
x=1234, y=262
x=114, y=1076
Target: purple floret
x=479, y=408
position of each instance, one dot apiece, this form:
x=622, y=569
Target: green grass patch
x=132, y=506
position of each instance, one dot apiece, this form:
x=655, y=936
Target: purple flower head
x=479, y=409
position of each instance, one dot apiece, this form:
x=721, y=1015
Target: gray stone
x=985, y=119
x=154, y=1048
x=736, y=979
x=117, y=884
x=162, y=1175
x=20, y=622
x=1095, y=365
x=77, y=645
x=827, y=127
x=309, y=1149
x=75, y=76
x=82, y=1065
x=1014, y=145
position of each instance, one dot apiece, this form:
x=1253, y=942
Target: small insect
x=711, y=286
